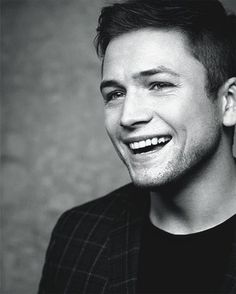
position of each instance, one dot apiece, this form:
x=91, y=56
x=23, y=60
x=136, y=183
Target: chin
x=152, y=180
x=169, y=175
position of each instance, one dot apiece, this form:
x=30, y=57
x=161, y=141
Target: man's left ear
x=228, y=93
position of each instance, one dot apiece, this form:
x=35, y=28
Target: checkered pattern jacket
x=94, y=248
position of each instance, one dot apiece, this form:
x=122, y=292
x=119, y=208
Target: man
x=169, y=88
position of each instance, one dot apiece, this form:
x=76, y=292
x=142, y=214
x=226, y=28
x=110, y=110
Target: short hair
x=210, y=31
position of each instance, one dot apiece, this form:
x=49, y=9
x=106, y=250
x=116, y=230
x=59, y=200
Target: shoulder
x=79, y=245
x=96, y=214
x=88, y=225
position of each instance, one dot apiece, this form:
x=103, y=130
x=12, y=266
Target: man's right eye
x=114, y=95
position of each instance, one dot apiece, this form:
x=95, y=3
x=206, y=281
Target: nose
x=135, y=111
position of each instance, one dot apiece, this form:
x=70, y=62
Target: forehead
x=140, y=50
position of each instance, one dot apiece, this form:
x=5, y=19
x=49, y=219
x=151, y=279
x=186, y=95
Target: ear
x=228, y=94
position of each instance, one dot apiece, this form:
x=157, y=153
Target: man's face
x=157, y=111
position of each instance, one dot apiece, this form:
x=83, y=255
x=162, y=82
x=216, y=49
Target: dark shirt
x=194, y=263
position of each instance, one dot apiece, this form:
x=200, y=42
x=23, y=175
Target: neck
x=197, y=202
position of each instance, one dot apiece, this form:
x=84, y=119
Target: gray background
x=55, y=152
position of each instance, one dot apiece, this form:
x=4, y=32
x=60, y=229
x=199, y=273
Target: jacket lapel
x=125, y=243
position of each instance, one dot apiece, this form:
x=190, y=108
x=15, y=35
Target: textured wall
x=55, y=152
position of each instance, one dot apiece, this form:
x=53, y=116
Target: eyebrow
x=154, y=71
x=110, y=83
x=142, y=74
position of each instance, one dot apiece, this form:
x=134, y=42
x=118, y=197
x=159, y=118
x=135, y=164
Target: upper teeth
x=148, y=142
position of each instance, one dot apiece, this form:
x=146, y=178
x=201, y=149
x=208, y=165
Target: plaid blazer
x=94, y=248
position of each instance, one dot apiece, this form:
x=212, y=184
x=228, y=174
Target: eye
x=160, y=85
x=114, y=95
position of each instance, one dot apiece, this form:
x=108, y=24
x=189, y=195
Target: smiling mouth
x=149, y=145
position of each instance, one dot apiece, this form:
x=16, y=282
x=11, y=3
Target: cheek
x=191, y=109
x=201, y=123
x=190, y=116
x=111, y=123
x=204, y=115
